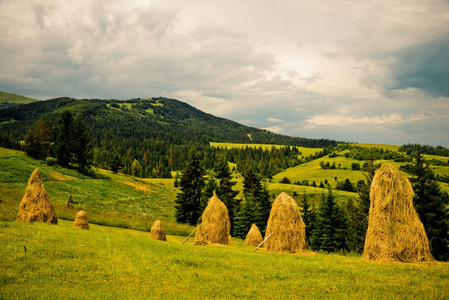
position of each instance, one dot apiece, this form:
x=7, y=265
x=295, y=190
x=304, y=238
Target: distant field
x=62, y=262
x=383, y=146
x=304, y=151
x=13, y=98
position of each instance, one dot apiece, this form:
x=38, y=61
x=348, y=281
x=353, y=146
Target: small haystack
x=254, y=237
x=395, y=232
x=287, y=229
x=215, y=227
x=158, y=231
x=36, y=204
x=81, y=220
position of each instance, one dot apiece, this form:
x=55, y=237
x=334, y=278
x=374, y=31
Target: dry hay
x=36, y=204
x=287, y=229
x=215, y=226
x=254, y=237
x=81, y=220
x=395, y=232
x=158, y=231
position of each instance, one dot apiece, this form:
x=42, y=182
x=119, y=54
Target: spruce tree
x=308, y=216
x=81, y=145
x=432, y=206
x=39, y=139
x=244, y=219
x=331, y=228
x=224, y=189
x=208, y=191
x=263, y=209
x=188, y=201
x=357, y=226
x=63, y=143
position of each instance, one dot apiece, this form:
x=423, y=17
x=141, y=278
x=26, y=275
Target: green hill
x=8, y=99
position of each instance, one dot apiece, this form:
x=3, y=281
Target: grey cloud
x=425, y=67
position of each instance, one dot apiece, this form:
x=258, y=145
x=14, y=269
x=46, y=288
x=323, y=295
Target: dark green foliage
x=208, y=191
x=355, y=166
x=432, y=206
x=115, y=162
x=285, y=180
x=263, y=209
x=357, y=226
x=64, y=136
x=224, y=189
x=81, y=145
x=244, y=219
x=425, y=149
x=331, y=226
x=39, y=139
x=345, y=186
x=188, y=201
x=308, y=216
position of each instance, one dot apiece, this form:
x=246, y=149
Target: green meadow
x=42, y=261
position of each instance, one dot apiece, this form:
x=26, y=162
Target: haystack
x=81, y=220
x=395, y=232
x=158, y=231
x=215, y=226
x=287, y=229
x=36, y=204
x=254, y=237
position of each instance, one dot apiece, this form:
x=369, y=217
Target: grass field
x=115, y=200
x=13, y=98
x=61, y=262
x=304, y=151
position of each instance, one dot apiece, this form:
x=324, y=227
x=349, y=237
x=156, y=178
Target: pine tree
x=64, y=127
x=115, y=162
x=243, y=219
x=224, y=189
x=188, y=201
x=208, y=191
x=308, y=216
x=331, y=226
x=357, y=226
x=431, y=204
x=39, y=139
x=263, y=209
x=81, y=145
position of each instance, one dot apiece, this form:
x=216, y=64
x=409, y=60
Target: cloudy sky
x=361, y=71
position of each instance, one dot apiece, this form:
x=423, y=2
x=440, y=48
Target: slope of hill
x=8, y=99
x=173, y=119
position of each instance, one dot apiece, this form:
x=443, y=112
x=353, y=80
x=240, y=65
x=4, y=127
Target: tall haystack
x=215, y=226
x=158, y=231
x=81, y=220
x=287, y=229
x=395, y=232
x=254, y=237
x=36, y=204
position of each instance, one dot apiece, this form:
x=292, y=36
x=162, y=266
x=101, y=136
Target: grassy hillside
x=304, y=151
x=116, y=200
x=6, y=99
x=42, y=261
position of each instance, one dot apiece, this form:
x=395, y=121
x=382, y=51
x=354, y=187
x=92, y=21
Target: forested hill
x=160, y=117
x=157, y=132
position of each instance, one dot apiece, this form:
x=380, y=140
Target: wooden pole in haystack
x=190, y=234
x=266, y=238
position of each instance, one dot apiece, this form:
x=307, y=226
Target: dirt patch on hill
x=139, y=186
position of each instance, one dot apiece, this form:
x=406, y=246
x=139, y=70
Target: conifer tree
x=224, y=189
x=357, y=226
x=81, y=145
x=432, y=206
x=188, y=201
x=64, y=127
x=39, y=139
x=244, y=219
x=308, y=216
x=263, y=209
x=331, y=226
x=208, y=191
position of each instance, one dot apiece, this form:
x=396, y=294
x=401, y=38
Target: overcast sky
x=361, y=71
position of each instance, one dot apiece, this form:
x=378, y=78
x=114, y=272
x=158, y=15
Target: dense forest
x=156, y=134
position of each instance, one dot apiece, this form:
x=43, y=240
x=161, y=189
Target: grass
x=304, y=151
x=110, y=263
x=383, y=146
x=108, y=199
x=13, y=98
